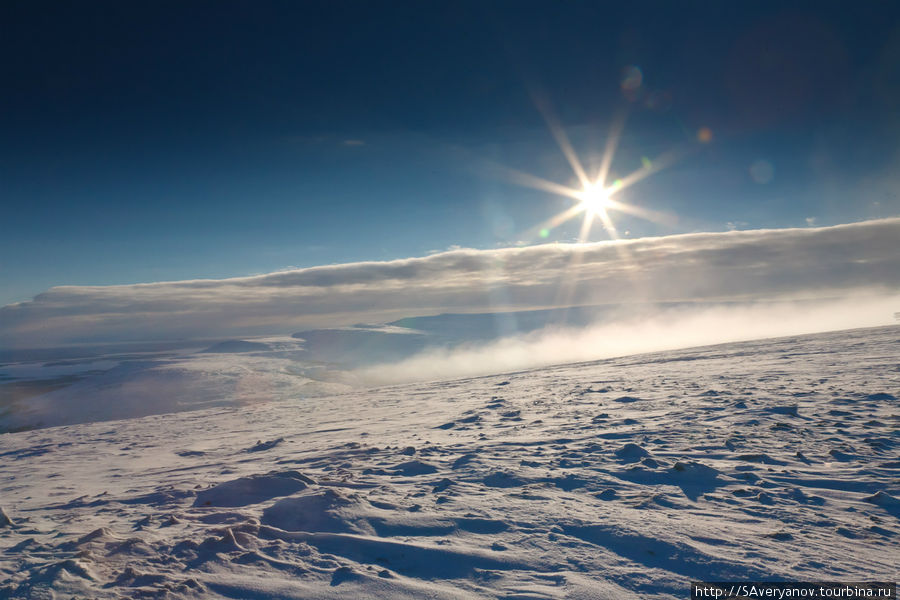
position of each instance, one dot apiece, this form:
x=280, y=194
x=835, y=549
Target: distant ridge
x=237, y=346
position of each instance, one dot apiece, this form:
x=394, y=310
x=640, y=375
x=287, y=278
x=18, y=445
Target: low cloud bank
x=667, y=329
x=738, y=265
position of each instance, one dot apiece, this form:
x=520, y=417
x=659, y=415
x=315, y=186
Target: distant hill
x=236, y=346
x=363, y=344
x=457, y=327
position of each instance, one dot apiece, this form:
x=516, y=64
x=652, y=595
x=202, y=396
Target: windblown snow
x=621, y=478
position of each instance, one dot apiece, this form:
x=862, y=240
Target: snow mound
x=328, y=511
x=695, y=470
x=631, y=452
x=627, y=399
x=503, y=479
x=253, y=489
x=415, y=467
x=788, y=410
x=262, y=446
x=886, y=501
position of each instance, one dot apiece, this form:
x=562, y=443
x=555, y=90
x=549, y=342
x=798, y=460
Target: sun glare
x=599, y=194
x=594, y=198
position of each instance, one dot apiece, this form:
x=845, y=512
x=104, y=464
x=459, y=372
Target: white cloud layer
x=667, y=329
x=735, y=265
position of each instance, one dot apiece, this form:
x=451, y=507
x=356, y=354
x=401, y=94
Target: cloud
x=735, y=265
x=665, y=329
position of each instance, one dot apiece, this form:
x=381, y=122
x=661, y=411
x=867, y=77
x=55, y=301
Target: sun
x=598, y=195
x=594, y=199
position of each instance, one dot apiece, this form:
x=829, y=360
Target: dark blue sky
x=160, y=141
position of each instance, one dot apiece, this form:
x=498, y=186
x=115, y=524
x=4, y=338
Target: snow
x=620, y=478
x=165, y=384
x=253, y=489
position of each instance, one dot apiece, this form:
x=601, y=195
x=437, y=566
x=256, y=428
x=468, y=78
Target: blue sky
x=168, y=141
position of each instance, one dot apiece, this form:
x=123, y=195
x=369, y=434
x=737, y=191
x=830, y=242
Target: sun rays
x=596, y=198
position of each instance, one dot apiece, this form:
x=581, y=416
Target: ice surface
x=774, y=459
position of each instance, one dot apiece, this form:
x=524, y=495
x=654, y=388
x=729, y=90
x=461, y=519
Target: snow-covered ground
x=622, y=478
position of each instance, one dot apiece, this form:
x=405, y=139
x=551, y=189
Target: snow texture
x=622, y=478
